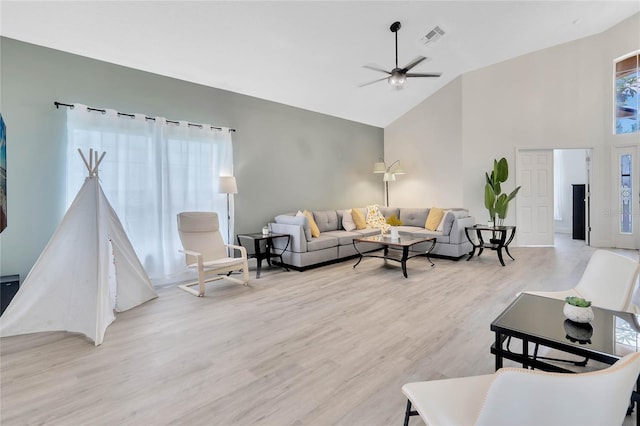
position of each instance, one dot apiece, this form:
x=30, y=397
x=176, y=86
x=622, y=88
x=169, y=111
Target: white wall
x=560, y=97
x=427, y=141
x=618, y=41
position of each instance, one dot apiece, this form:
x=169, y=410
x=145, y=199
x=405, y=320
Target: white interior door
x=625, y=202
x=534, y=203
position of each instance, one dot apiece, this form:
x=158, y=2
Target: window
x=153, y=169
x=627, y=85
x=626, y=218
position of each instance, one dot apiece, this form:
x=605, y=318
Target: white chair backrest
x=200, y=232
x=530, y=397
x=609, y=280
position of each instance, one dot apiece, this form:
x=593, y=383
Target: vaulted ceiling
x=308, y=54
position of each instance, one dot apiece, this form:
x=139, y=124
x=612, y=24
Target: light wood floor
x=329, y=346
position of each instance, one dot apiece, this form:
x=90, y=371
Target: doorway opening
x=571, y=184
x=555, y=195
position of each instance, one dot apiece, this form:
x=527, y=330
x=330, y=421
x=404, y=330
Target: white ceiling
x=308, y=54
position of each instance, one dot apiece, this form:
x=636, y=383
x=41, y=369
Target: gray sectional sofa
x=335, y=243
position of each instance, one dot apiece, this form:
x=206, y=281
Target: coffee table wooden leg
x=360, y=254
x=403, y=261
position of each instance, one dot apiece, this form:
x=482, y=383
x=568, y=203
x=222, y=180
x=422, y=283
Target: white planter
x=394, y=232
x=577, y=313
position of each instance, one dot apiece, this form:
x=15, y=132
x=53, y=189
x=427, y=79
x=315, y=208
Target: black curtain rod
x=72, y=106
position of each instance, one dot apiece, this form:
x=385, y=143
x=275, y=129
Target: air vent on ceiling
x=432, y=36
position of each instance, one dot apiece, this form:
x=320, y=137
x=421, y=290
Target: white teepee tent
x=87, y=270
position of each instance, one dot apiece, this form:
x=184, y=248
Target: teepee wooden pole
x=84, y=160
x=93, y=157
x=99, y=160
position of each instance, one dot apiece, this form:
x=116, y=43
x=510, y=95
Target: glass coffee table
x=399, y=248
x=539, y=320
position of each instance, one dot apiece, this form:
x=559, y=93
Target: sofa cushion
x=425, y=233
x=358, y=218
x=387, y=212
x=344, y=237
x=345, y=218
x=453, y=215
x=444, y=218
x=327, y=220
x=434, y=218
x=315, y=231
x=291, y=219
x=413, y=217
x=367, y=232
x=322, y=242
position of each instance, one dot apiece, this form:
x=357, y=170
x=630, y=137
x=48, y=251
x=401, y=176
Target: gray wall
x=285, y=158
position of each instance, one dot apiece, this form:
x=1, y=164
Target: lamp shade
x=389, y=177
x=398, y=170
x=379, y=167
x=228, y=185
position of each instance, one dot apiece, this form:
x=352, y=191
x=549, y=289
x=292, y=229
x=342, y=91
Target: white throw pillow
x=347, y=221
x=306, y=227
x=441, y=224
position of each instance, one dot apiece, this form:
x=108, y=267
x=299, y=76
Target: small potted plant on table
x=578, y=309
x=394, y=222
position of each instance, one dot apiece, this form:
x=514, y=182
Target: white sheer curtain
x=153, y=170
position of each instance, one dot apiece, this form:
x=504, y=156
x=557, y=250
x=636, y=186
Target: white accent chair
x=608, y=282
x=516, y=396
x=206, y=251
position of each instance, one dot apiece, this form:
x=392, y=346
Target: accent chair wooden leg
x=200, y=282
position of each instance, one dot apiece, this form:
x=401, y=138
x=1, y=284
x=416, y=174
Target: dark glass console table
x=498, y=240
x=540, y=321
x=262, y=248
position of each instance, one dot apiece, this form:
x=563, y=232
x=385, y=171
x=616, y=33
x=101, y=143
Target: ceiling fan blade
x=371, y=82
x=375, y=68
x=413, y=63
x=433, y=74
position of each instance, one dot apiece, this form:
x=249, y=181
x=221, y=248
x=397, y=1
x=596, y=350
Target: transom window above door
x=627, y=86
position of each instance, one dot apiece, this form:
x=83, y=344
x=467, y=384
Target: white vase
x=394, y=232
x=577, y=313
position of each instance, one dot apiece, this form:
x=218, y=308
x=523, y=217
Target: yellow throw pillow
x=315, y=231
x=434, y=218
x=358, y=219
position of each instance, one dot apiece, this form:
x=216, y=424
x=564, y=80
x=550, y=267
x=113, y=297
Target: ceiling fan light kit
x=398, y=76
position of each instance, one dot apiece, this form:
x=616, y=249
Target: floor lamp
x=389, y=174
x=228, y=186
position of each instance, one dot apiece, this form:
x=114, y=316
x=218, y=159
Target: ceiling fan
x=397, y=76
